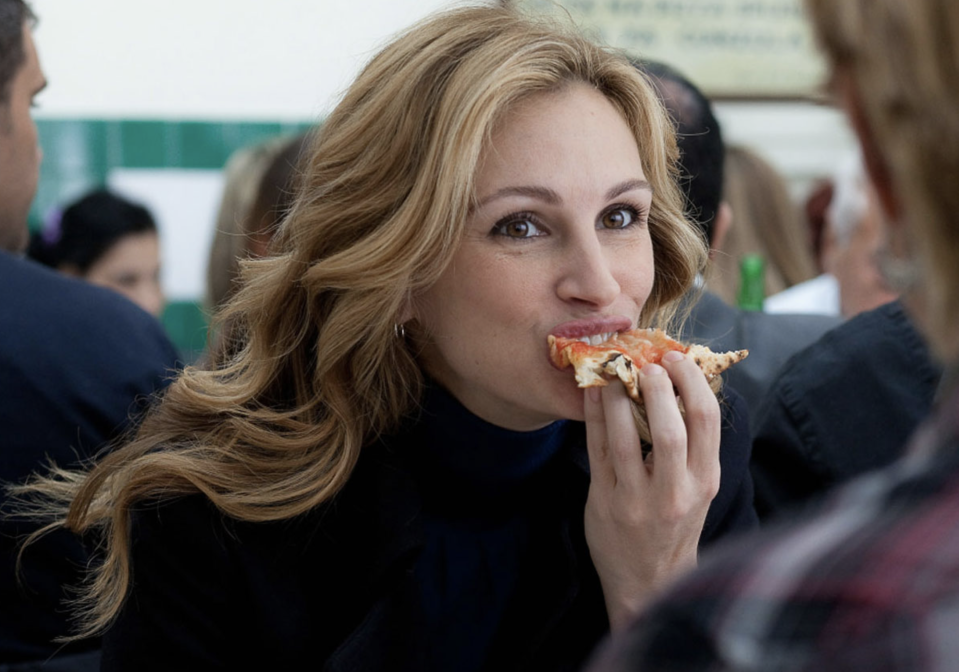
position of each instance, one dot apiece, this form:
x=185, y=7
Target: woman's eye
x=517, y=228
x=619, y=218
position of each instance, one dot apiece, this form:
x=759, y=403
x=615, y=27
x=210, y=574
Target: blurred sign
x=730, y=48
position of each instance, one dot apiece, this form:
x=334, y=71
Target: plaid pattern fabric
x=868, y=583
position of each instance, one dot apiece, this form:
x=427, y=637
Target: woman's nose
x=588, y=274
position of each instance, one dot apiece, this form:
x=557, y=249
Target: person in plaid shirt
x=870, y=579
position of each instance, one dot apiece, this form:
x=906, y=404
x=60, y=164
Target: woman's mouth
x=596, y=339
x=594, y=330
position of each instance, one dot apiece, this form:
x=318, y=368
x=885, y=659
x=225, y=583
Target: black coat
x=75, y=360
x=337, y=586
x=841, y=407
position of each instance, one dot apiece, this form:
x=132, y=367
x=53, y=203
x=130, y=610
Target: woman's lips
x=591, y=326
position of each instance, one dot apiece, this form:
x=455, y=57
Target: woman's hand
x=644, y=518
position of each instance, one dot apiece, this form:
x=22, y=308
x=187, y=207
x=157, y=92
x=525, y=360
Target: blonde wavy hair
x=318, y=372
x=903, y=56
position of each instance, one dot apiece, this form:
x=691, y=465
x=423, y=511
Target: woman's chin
x=571, y=407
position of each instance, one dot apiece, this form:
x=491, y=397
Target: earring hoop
x=399, y=331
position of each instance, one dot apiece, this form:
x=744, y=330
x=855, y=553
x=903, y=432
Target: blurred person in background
x=851, y=243
x=108, y=241
x=258, y=192
x=869, y=579
x=765, y=221
x=74, y=362
x=238, y=232
x=854, y=240
x=876, y=369
x=275, y=194
x=770, y=339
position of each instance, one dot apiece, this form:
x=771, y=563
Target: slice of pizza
x=625, y=353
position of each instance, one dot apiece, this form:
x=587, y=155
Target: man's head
x=903, y=104
x=700, y=140
x=21, y=79
x=853, y=238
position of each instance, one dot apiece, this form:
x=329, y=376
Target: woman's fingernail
x=673, y=356
x=652, y=370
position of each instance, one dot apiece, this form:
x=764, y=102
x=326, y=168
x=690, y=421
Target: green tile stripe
x=80, y=153
x=186, y=324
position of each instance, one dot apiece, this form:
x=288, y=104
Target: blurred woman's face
x=132, y=268
x=557, y=244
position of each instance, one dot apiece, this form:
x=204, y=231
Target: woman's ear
x=407, y=312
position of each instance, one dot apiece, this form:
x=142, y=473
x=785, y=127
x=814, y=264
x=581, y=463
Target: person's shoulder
x=883, y=338
x=34, y=288
x=879, y=323
x=886, y=326
x=193, y=527
x=49, y=309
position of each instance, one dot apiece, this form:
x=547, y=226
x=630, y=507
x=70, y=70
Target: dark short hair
x=13, y=15
x=87, y=229
x=700, y=140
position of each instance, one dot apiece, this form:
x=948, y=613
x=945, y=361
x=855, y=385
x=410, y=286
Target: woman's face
x=132, y=267
x=558, y=244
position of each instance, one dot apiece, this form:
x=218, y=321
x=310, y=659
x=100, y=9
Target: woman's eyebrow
x=551, y=197
x=540, y=193
x=628, y=185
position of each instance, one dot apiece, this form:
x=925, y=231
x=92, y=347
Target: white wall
x=209, y=59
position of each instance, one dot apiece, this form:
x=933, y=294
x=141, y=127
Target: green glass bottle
x=752, y=282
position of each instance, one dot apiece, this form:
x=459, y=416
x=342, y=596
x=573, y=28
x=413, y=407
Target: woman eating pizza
x=389, y=472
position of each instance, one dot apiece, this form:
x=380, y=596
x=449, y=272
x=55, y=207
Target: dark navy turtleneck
x=479, y=485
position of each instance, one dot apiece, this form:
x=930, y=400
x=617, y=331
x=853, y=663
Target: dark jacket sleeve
x=732, y=510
